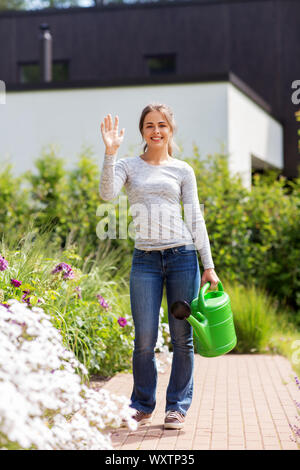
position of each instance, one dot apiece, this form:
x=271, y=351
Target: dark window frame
x=55, y=63
x=164, y=71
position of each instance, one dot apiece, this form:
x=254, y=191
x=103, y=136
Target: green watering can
x=211, y=318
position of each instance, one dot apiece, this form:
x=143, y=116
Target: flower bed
x=44, y=402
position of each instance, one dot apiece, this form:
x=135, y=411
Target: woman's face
x=156, y=130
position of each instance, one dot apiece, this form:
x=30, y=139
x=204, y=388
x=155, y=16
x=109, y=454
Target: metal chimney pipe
x=45, y=53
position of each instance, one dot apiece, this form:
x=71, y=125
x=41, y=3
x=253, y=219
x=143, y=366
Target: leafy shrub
x=254, y=237
x=14, y=201
x=85, y=307
x=67, y=201
x=88, y=303
x=254, y=234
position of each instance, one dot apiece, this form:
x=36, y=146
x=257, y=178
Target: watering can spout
x=201, y=328
x=182, y=310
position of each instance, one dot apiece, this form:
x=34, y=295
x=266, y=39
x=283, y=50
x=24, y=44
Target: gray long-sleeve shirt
x=154, y=193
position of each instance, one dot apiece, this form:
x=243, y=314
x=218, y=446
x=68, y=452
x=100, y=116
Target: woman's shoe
x=140, y=417
x=174, y=420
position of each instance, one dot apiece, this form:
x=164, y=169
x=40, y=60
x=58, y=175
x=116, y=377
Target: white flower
x=43, y=403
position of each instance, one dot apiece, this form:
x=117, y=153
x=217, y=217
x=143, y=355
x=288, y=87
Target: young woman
x=165, y=252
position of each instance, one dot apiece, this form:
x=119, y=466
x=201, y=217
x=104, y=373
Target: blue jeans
x=179, y=267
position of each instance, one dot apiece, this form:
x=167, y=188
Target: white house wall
x=251, y=132
x=212, y=116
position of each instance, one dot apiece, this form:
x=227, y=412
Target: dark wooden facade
x=257, y=40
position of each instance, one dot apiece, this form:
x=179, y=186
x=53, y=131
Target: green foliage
x=254, y=235
x=254, y=238
x=254, y=317
x=49, y=192
x=12, y=5
x=89, y=329
x=66, y=202
x=14, y=203
x=34, y=5
x=262, y=325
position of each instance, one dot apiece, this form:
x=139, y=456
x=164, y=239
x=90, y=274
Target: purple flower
x=64, y=267
x=15, y=283
x=23, y=324
x=122, y=321
x=78, y=290
x=102, y=301
x=5, y=305
x=24, y=299
x=295, y=428
x=3, y=264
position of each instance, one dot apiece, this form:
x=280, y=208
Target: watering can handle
x=201, y=299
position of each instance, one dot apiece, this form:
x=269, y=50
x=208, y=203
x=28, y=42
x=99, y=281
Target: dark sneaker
x=174, y=420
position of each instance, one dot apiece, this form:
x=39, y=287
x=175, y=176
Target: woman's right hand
x=110, y=134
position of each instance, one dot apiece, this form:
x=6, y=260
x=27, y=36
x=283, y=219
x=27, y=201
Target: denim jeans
x=179, y=268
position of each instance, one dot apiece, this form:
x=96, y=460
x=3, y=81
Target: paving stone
x=240, y=402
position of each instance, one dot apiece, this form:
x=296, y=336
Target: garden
x=64, y=293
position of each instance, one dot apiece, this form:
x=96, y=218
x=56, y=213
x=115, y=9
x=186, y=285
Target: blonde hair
x=168, y=114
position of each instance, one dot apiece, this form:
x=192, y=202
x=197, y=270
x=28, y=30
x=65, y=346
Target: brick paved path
x=240, y=402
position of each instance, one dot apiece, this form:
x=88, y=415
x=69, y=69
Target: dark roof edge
x=242, y=86
x=118, y=6
x=146, y=81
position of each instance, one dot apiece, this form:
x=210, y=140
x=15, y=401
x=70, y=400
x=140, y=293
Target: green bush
x=66, y=202
x=254, y=317
x=90, y=328
x=254, y=235
x=14, y=201
x=262, y=325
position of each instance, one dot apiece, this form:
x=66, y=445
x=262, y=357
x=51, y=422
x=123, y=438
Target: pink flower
x=64, y=267
x=3, y=264
x=122, y=321
x=15, y=283
x=102, y=301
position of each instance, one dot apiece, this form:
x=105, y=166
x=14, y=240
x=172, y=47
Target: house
x=226, y=67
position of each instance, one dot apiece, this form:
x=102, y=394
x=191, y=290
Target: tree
x=12, y=5
x=37, y=4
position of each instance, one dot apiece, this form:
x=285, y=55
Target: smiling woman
x=157, y=127
x=165, y=252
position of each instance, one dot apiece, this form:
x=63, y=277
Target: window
x=161, y=64
x=30, y=72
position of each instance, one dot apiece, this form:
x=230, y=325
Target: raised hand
x=110, y=134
